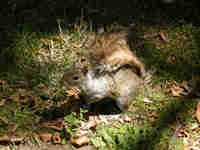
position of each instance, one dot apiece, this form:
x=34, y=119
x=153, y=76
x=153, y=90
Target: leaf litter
x=56, y=49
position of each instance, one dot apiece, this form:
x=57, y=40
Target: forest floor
x=37, y=113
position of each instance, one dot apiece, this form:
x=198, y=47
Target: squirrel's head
x=73, y=78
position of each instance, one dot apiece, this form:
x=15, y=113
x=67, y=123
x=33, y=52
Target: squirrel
x=123, y=86
x=111, y=51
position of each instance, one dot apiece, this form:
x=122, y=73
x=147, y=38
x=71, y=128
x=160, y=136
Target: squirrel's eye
x=83, y=59
x=75, y=78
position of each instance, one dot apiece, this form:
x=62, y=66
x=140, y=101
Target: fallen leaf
x=47, y=125
x=154, y=116
x=166, y=90
x=12, y=128
x=58, y=125
x=3, y=102
x=184, y=133
x=6, y=138
x=56, y=138
x=177, y=91
x=170, y=59
x=4, y=85
x=80, y=140
x=173, y=125
x=45, y=42
x=58, y=38
x=4, y=120
x=17, y=138
x=74, y=92
x=45, y=137
x=37, y=52
x=198, y=111
x=163, y=36
x=196, y=78
x=78, y=45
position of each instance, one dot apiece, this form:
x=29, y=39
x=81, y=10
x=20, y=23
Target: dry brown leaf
x=74, y=92
x=166, y=90
x=17, y=138
x=4, y=120
x=12, y=128
x=187, y=133
x=45, y=137
x=6, y=138
x=40, y=51
x=184, y=133
x=163, y=36
x=58, y=38
x=195, y=78
x=48, y=125
x=173, y=125
x=80, y=140
x=3, y=84
x=154, y=116
x=78, y=45
x=45, y=42
x=37, y=52
x=198, y=111
x=58, y=125
x=177, y=91
x=56, y=138
x=171, y=58
x=3, y=101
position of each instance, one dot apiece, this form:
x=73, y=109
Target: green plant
x=73, y=121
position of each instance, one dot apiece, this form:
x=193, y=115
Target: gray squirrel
x=104, y=71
